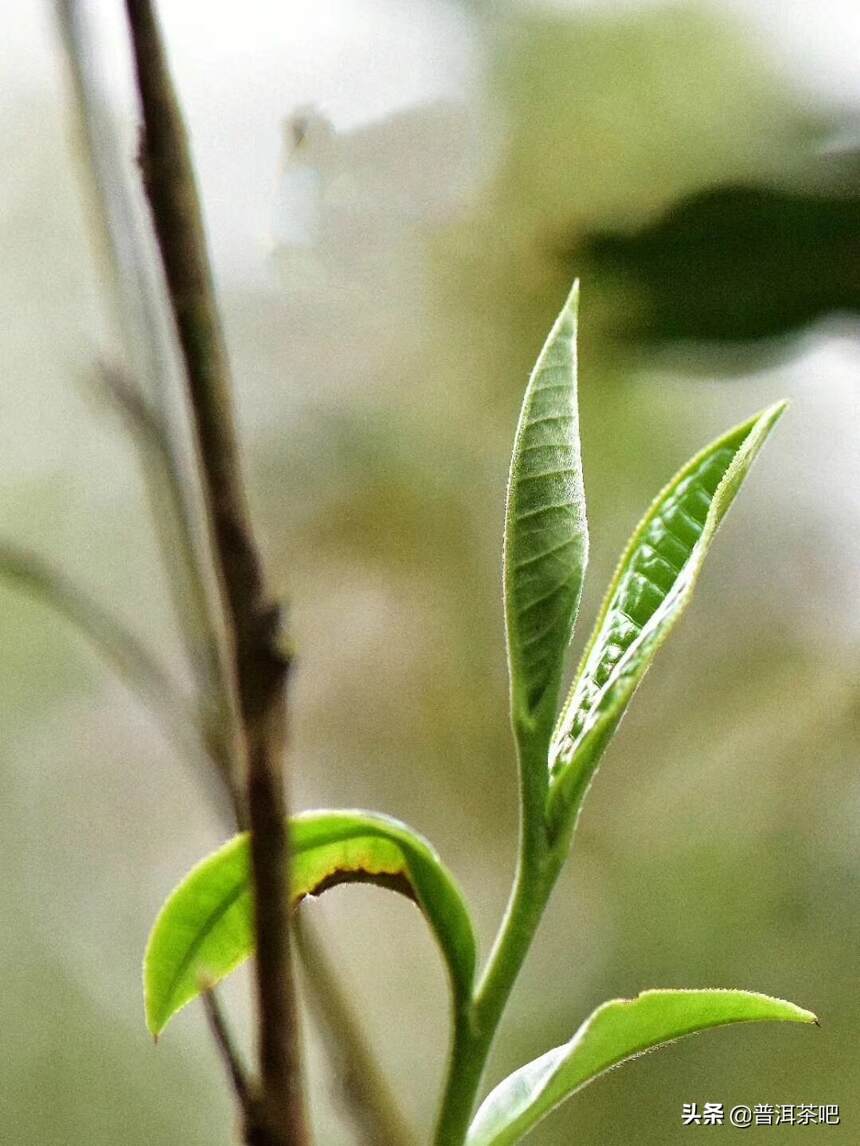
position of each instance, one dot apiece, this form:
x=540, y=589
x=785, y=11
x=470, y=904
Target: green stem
x=539, y=862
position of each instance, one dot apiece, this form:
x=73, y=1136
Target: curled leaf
x=619, y=1030
x=205, y=929
x=650, y=590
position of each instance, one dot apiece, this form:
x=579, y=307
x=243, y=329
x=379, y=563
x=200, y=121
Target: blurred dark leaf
x=736, y=263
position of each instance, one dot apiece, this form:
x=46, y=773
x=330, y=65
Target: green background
x=379, y=376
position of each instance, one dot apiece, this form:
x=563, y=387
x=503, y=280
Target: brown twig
x=123, y=650
x=362, y=1087
x=130, y=658
x=164, y=484
x=142, y=398
x=251, y=618
x=142, y=395
x=229, y=1054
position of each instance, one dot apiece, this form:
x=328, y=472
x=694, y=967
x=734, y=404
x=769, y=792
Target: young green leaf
x=651, y=587
x=546, y=538
x=619, y=1030
x=205, y=929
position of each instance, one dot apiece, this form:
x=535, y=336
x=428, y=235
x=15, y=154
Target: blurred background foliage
x=447, y=169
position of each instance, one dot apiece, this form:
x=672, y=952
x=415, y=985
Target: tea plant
x=240, y=900
x=205, y=929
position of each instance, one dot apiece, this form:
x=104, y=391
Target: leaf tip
x=154, y=1024
x=808, y=1017
x=771, y=414
x=568, y=316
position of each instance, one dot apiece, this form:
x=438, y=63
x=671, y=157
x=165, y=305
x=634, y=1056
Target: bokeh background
x=397, y=197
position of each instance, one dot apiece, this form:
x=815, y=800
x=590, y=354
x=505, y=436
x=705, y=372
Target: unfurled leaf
x=650, y=589
x=619, y=1030
x=546, y=538
x=205, y=929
